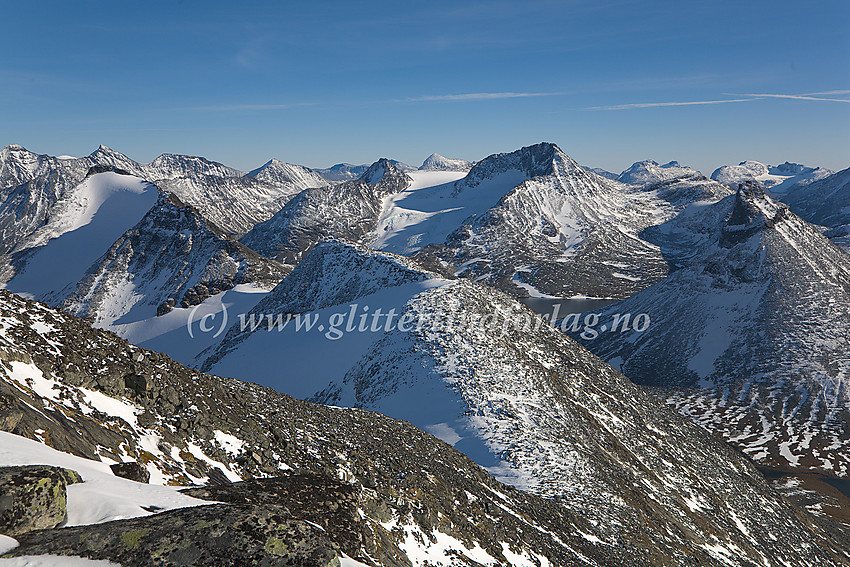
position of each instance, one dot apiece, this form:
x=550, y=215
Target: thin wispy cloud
x=827, y=93
x=475, y=96
x=659, y=104
x=802, y=97
x=820, y=96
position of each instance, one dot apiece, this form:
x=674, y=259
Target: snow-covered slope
x=173, y=256
x=436, y=162
x=826, y=203
x=649, y=172
x=528, y=403
x=777, y=178
x=750, y=339
x=41, y=193
x=84, y=224
x=536, y=223
x=348, y=210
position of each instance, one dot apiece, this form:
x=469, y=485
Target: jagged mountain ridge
x=232, y=200
x=565, y=231
x=347, y=210
x=532, y=405
x=749, y=338
x=34, y=188
x=173, y=256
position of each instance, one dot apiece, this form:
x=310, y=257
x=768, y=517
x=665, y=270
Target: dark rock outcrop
x=33, y=497
x=132, y=471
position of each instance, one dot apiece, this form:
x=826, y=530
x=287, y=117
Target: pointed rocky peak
x=386, y=174
x=279, y=172
x=273, y=164
x=531, y=161
x=753, y=211
x=436, y=162
x=106, y=152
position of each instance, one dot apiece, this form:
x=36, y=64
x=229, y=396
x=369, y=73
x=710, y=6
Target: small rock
x=132, y=471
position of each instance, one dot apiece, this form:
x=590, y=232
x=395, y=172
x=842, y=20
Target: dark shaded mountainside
x=751, y=338
x=172, y=257
x=346, y=481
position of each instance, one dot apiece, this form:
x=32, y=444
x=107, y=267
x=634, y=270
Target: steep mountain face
x=777, y=178
x=436, y=162
x=348, y=210
x=80, y=227
x=563, y=231
x=173, y=256
x=36, y=189
x=526, y=402
x=826, y=203
x=649, y=172
x=348, y=482
x=232, y=201
x=750, y=338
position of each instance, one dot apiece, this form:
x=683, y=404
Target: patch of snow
x=54, y=561
x=98, y=212
x=444, y=432
x=7, y=544
x=102, y=497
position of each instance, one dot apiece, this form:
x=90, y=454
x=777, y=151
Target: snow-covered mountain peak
x=753, y=210
x=169, y=166
x=342, y=172
x=530, y=161
x=277, y=172
x=436, y=162
x=335, y=272
x=386, y=174
x=648, y=172
x=775, y=178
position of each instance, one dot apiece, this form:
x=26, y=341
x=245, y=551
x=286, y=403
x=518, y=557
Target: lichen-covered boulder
x=33, y=497
x=220, y=534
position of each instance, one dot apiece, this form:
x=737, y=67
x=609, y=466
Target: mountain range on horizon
x=124, y=342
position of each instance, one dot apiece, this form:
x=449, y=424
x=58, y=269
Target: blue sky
x=344, y=81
